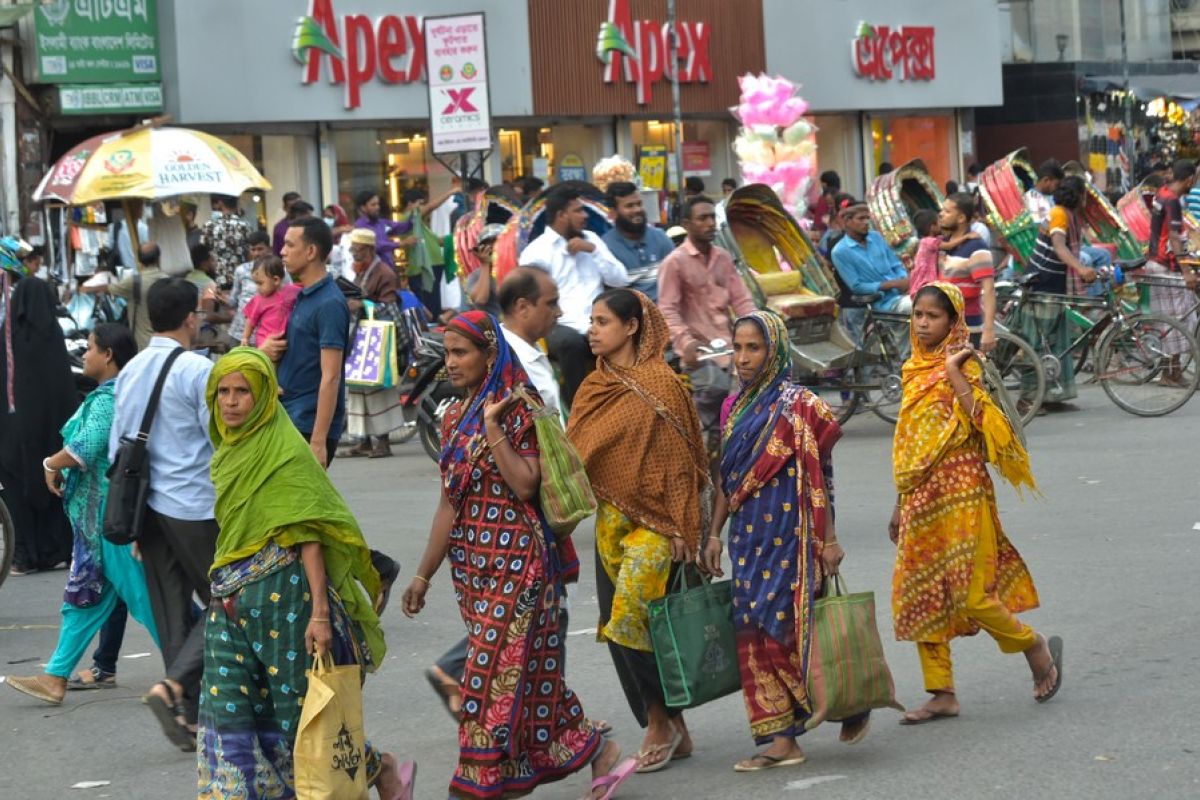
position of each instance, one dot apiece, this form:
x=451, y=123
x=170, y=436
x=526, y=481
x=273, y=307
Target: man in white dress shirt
x=529, y=299
x=581, y=266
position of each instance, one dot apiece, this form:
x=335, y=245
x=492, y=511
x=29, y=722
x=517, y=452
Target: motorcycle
x=430, y=393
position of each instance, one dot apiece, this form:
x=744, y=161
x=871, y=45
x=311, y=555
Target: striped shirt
x=1051, y=271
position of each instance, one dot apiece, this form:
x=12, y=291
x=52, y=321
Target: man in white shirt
x=179, y=537
x=1040, y=199
x=529, y=300
x=581, y=266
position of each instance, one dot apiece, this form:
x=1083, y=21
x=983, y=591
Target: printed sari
x=947, y=501
x=521, y=725
x=777, y=474
x=272, y=498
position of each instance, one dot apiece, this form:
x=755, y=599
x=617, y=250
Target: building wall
x=1055, y=139
x=1092, y=28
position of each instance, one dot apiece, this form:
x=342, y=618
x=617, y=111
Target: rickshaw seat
x=802, y=306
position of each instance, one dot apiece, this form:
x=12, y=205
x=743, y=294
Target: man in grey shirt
x=179, y=537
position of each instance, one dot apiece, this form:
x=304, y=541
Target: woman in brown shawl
x=636, y=428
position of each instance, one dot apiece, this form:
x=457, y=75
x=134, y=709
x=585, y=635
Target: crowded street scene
x=364, y=359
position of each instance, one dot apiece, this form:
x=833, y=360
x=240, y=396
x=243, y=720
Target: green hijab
x=271, y=488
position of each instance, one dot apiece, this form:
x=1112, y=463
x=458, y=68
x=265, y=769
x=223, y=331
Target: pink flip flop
x=614, y=779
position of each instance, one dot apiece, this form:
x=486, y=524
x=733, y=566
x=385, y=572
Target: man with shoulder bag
x=161, y=494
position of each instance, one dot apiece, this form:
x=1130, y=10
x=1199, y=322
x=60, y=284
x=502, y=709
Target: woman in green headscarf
x=292, y=575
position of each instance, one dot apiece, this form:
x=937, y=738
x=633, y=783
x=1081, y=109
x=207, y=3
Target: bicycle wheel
x=832, y=388
x=1021, y=370
x=882, y=371
x=1147, y=364
x=8, y=541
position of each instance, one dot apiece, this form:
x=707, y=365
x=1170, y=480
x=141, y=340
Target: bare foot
x=388, y=783
x=942, y=704
x=1041, y=664
x=854, y=732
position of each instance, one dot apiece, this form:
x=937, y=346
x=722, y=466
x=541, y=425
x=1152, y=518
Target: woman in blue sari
x=101, y=573
x=777, y=440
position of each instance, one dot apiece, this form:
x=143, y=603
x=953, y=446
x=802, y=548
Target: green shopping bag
x=692, y=632
x=565, y=493
x=847, y=673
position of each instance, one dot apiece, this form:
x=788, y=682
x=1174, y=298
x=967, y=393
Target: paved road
x=1111, y=546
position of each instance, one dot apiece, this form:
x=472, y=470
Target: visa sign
x=358, y=48
x=640, y=50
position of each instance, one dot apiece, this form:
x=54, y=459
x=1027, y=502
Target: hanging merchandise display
x=776, y=145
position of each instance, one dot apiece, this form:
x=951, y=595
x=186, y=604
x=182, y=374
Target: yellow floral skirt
x=638, y=562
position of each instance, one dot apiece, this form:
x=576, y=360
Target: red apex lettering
x=650, y=42
x=389, y=46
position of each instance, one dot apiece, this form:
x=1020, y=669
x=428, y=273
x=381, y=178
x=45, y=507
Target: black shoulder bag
x=129, y=475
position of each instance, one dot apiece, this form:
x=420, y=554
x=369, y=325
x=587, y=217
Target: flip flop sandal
x=934, y=716
x=1055, y=643
x=406, y=773
x=602, y=727
x=165, y=712
x=34, y=688
x=669, y=748
x=613, y=780
x=443, y=690
x=771, y=763
x=91, y=679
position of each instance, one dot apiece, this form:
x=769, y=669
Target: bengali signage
x=572, y=168
x=96, y=41
x=880, y=53
x=459, y=113
x=126, y=98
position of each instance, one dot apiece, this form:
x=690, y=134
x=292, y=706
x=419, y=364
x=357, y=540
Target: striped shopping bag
x=847, y=673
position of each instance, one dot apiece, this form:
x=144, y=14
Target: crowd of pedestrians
x=243, y=516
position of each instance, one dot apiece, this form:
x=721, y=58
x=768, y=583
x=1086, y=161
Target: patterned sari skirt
x=254, y=676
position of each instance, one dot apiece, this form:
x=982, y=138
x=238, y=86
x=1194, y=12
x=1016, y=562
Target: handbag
x=330, y=754
x=694, y=645
x=129, y=475
x=847, y=673
x=565, y=493
x=372, y=361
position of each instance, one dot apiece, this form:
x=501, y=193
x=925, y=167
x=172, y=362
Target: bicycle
x=1129, y=349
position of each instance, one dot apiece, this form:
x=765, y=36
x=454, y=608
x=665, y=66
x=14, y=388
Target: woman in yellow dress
x=956, y=572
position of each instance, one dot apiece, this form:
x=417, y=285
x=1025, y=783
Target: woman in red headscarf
x=520, y=725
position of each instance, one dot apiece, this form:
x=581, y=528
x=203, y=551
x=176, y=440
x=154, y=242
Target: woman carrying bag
x=956, y=572
x=520, y=725
x=777, y=441
x=637, y=431
x=292, y=576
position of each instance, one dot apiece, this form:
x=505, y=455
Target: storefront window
x=526, y=152
x=387, y=161
x=707, y=148
x=933, y=139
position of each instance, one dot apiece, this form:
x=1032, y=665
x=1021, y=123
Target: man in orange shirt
x=701, y=294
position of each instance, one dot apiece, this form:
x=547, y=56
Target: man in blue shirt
x=179, y=538
x=636, y=244
x=867, y=265
x=311, y=356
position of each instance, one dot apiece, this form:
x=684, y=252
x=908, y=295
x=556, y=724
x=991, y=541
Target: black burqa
x=36, y=399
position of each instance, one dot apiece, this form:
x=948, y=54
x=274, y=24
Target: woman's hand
x=679, y=552
x=495, y=408
x=956, y=357
x=894, y=525
x=54, y=481
x=709, y=561
x=831, y=557
x=318, y=636
x=414, y=597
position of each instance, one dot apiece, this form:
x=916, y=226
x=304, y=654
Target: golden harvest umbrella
x=150, y=163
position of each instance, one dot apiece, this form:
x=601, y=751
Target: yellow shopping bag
x=330, y=752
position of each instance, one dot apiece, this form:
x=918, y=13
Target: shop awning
x=1147, y=87
x=11, y=15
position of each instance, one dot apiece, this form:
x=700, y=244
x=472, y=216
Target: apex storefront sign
x=355, y=49
x=880, y=53
x=639, y=50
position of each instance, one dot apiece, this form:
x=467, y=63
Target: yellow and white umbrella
x=152, y=163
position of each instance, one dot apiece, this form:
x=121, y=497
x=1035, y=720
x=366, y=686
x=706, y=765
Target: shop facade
x=889, y=80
